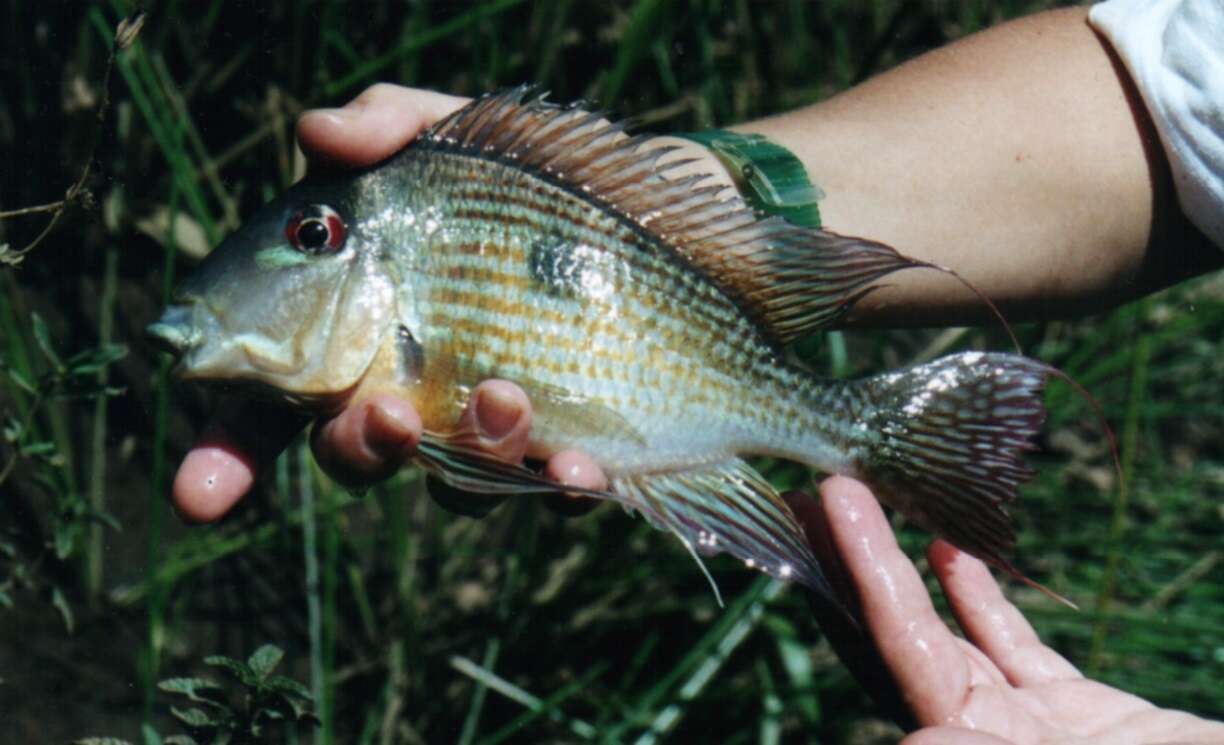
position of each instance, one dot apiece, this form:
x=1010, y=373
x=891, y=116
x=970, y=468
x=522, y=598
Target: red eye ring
x=316, y=229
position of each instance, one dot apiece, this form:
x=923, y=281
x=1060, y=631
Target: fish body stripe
x=663, y=346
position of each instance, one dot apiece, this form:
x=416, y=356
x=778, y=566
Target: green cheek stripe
x=769, y=177
x=279, y=257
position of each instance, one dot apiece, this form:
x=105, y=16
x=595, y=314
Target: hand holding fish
x=371, y=439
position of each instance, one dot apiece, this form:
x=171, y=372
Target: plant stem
x=310, y=560
x=1117, y=525
x=97, y=477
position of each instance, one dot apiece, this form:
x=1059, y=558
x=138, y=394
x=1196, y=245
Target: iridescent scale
x=526, y=281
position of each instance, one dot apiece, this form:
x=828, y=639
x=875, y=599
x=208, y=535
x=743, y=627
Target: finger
x=819, y=536
x=223, y=465
x=993, y=624
x=372, y=126
x=574, y=468
x=368, y=441
x=924, y=657
x=953, y=736
x=213, y=476
x=497, y=421
x=841, y=618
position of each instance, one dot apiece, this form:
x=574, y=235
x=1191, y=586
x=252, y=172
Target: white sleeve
x=1174, y=50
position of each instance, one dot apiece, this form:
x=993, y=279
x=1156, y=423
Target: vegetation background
x=409, y=624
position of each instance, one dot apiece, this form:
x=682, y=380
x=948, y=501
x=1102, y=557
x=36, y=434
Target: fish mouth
x=174, y=332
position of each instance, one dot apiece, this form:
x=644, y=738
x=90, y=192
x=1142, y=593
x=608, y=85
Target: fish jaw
x=174, y=332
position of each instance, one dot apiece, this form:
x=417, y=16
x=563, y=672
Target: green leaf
x=276, y=715
x=106, y=518
x=22, y=381
x=265, y=659
x=100, y=741
x=6, y=600
x=43, y=337
x=61, y=604
x=289, y=707
x=236, y=669
x=91, y=361
x=194, y=717
x=283, y=685
x=42, y=449
x=151, y=737
x=302, y=712
x=12, y=429
x=65, y=540
x=180, y=740
x=199, y=690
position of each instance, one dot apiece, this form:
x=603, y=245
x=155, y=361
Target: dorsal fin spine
x=791, y=279
x=485, y=118
x=516, y=138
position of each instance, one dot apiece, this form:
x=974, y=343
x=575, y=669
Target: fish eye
x=316, y=229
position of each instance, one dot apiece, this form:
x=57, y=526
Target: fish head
x=296, y=302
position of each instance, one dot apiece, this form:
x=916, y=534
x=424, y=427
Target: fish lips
x=175, y=332
x=188, y=332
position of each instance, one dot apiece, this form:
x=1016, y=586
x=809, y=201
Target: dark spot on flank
x=555, y=265
x=412, y=357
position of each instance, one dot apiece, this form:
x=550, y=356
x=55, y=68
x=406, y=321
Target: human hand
x=370, y=439
x=997, y=686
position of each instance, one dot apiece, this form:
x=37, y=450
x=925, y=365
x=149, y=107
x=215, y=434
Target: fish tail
x=943, y=443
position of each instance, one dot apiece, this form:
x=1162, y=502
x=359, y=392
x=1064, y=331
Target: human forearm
x=1020, y=156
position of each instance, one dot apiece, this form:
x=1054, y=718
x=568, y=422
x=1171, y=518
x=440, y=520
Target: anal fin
x=727, y=507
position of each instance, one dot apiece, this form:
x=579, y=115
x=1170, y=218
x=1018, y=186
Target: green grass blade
x=462, y=22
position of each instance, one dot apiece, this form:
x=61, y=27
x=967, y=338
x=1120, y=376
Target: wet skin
x=997, y=685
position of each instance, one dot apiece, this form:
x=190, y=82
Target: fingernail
x=338, y=117
x=570, y=474
x=496, y=413
x=388, y=429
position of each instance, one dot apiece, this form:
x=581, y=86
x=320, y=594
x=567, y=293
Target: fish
x=647, y=315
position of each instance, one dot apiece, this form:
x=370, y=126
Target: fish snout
x=174, y=332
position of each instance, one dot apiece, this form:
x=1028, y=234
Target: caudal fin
x=947, y=443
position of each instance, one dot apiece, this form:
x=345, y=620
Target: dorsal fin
x=792, y=280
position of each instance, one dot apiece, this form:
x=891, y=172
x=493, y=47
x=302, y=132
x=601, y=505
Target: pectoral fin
x=577, y=418
x=726, y=507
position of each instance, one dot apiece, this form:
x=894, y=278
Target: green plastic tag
x=768, y=176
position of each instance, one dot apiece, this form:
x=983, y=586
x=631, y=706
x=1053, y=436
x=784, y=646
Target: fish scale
x=614, y=374
x=646, y=316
